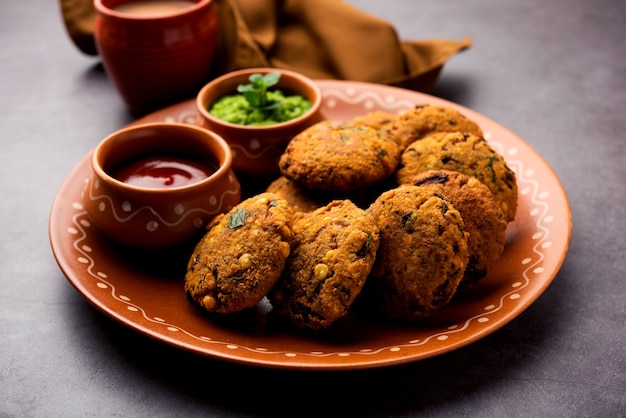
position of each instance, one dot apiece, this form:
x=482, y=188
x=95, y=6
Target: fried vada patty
x=376, y=119
x=482, y=218
x=300, y=199
x=425, y=119
x=422, y=255
x=334, y=156
x=468, y=154
x=333, y=250
x=241, y=256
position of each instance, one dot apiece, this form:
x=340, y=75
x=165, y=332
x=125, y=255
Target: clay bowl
x=155, y=60
x=257, y=149
x=176, y=206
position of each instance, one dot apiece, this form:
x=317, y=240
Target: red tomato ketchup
x=158, y=172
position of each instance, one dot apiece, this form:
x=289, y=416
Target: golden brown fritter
x=334, y=156
x=425, y=119
x=482, y=218
x=468, y=154
x=299, y=198
x=376, y=119
x=333, y=250
x=422, y=255
x=241, y=256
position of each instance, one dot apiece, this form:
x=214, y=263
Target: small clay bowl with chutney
x=157, y=185
x=258, y=143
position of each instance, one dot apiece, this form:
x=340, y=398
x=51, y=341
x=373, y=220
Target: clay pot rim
x=202, y=102
x=110, y=11
x=223, y=159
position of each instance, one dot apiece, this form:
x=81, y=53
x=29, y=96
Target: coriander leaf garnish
x=256, y=91
x=237, y=219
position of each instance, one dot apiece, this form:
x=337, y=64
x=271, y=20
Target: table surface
x=552, y=72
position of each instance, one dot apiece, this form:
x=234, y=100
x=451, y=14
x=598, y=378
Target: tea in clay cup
x=157, y=185
x=156, y=52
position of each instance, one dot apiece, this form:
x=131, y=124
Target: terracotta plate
x=145, y=291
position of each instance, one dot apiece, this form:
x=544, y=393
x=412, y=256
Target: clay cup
x=155, y=60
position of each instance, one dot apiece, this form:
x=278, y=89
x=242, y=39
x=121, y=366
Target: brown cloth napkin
x=323, y=39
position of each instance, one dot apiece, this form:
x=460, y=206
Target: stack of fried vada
x=412, y=207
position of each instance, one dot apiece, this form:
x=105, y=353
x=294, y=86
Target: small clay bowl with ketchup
x=157, y=185
x=258, y=147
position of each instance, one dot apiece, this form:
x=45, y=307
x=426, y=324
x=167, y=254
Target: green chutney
x=280, y=108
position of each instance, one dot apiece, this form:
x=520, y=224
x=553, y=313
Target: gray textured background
x=554, y=72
